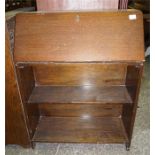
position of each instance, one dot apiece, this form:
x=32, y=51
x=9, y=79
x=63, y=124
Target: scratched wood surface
x=79, y=36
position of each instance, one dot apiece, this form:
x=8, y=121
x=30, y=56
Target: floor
x=140, y=140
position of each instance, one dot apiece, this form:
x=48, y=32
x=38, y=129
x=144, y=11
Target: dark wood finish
x=79, y=36
x=132, y=76
x=85, y=94
x=16, y=130
x=26, y=84
x=63, y=5
x=135, y=106
x=80, y=74
x=76, y=129
x=76, y=110
x=26, y=81
x=129, y=111
x=71, y=110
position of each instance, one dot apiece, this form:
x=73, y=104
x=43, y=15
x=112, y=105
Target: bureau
x=79, y=74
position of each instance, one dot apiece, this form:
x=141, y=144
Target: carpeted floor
x=140, y=140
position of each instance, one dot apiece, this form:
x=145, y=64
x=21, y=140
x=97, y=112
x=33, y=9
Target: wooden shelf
x=75, y=94
x=78, y=129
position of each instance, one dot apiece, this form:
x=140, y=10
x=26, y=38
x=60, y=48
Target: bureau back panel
x=80, y=74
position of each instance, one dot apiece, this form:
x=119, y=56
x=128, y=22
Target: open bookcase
x=79, y=74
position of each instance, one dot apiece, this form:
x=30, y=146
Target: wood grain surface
x=15, y=119
x=85, y=94
x=76, y=129
x=79, y=74
x=79, y=36
x=79, y=110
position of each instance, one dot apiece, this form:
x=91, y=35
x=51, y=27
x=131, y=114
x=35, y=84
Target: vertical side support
x=16, y=126
x=26, y=83
x=133, y=82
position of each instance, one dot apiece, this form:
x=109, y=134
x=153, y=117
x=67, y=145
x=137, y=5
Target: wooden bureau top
x=79, y=37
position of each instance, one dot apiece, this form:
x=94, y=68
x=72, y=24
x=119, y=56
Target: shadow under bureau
x=79, y=74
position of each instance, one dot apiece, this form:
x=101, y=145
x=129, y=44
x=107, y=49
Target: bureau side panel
x=16, y=131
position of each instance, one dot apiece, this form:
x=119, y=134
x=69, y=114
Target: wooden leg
x=127, y=146
x=33, y=145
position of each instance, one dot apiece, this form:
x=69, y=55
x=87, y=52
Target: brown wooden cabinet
x=79, y=74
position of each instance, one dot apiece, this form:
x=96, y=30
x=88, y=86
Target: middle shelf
x=80, y=94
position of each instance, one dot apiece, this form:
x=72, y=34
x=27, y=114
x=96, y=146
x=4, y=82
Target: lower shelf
x=80, y=130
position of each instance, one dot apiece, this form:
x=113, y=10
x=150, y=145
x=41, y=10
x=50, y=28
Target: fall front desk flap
x=103, y=36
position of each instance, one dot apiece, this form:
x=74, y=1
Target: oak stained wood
x=79, y=74
x=76, y=129
x=79, y=36
x=129, y=112
x=76, y=110
x=49, y=46
x=80, y=110
x=26, y=83
x=85, y=94
x=15, y=119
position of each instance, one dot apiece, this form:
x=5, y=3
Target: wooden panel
x=15, y=120
x=126, y=118
x=132, y=78
x=10, y=21
x=79, y=36
x=26, y=81
x=55, y=5
x=129, y=112
x=132, y=75
x=74, y=129
x=80, y=74
x=79, y=110
x=26, y=84
x=85, y=94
